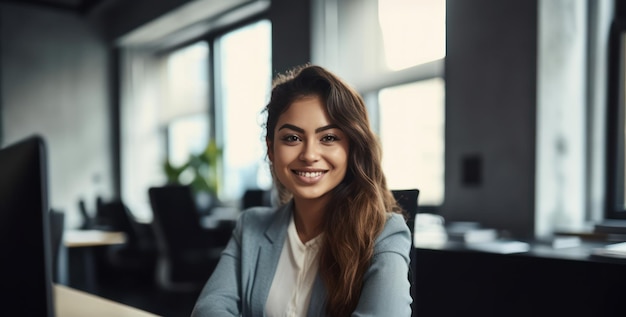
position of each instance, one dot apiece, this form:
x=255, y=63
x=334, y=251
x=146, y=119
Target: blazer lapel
x=269, y=252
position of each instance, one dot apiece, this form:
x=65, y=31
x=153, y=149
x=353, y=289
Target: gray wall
x=490, y=111
x=291, y=33
x=54, y=82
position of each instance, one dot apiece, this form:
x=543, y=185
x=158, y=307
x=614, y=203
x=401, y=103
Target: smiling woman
x=310, y=155
x=338, y=237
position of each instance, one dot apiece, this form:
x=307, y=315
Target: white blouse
x=290, y=292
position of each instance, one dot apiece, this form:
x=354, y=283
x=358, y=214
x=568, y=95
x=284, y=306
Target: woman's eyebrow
x=328, y=127
x=291, y=127
x=298, y=129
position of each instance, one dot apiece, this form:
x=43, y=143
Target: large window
x=411, y=116
x=413, y=32
x=411, y=123
x=184, y=110
x=393, y=52
x=180, y=101
x=243, y=81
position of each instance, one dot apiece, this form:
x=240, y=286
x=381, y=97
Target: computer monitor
x=26, y=266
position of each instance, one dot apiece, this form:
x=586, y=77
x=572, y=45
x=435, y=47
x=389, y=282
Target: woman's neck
x=309, y=218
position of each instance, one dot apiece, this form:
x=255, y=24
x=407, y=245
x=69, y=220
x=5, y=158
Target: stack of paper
x=501, y=246
x=470, y=232
x=616, y=250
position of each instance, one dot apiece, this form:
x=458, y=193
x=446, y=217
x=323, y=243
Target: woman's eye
x=329, y=138
x=291, y=138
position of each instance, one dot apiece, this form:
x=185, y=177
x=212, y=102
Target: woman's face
x=309, y=153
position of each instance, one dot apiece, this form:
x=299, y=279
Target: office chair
x=138, y=255
x=188, y=253
x=57, y=226
x=255, y=197
x=86, y=218
x=408, y=200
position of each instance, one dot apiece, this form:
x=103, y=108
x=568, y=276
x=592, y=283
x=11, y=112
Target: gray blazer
x=240, y=284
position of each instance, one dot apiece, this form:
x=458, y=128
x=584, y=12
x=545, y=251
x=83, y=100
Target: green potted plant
x=200, y=172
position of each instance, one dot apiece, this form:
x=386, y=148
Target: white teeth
x=309, y=174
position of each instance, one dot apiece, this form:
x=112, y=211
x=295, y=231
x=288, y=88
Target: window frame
x=372, y=98
x=615, y=196
x=211, y=38
x=417, y=73
x=384, y=78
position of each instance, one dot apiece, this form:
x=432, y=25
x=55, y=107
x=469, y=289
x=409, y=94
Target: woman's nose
x=310, y=152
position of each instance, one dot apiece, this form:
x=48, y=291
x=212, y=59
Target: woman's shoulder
x=258, y=215
x=395, y=223
x=395, y=237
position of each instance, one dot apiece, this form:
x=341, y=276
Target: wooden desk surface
x=90, y=238
x=70, y=302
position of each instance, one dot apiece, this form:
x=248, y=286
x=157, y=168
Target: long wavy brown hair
x=357, y=209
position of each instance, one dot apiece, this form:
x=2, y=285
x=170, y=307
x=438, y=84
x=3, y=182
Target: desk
x=91, y=238
x=452, y=280
x=70, y=302
x=79, y=268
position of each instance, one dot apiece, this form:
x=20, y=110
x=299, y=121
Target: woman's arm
x=386, y=287
x=220, y=297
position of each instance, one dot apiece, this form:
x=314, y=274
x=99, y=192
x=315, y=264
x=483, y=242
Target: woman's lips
x=309, y=177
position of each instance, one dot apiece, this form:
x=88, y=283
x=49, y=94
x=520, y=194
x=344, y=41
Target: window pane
x=184, y=110
x=185, y=82
x=413, y=31
x=244, y=82
x=186, y=136
x=411, y=121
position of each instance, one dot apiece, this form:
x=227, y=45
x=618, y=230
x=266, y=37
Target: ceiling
x=81, y=7
x=161, y=29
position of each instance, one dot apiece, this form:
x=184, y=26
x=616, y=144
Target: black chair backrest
x=115, y=216
x=255, y=197
x=407, y=199
x=87, y=219
x=175, y=219
x=57, y=226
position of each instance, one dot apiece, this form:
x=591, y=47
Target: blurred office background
x=500, y=112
